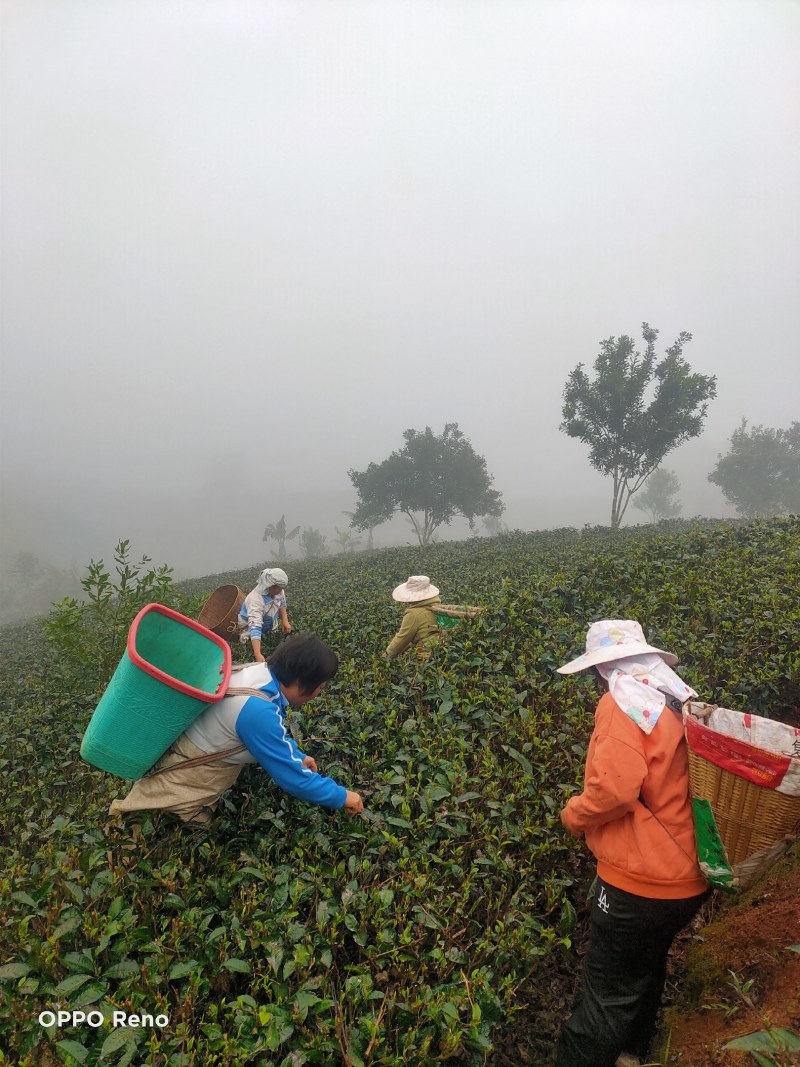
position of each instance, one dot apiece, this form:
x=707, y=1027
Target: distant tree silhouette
x=760, y=473
x=346, y=540
x=313, y=543
x=430, y=480
x=276, y=531
x=658, y=498
x=627, y=439
x=494, y=525
x=369, y=529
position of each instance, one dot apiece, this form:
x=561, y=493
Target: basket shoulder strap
x=668, y=832
x=455, y=611
x=673, y=702
x=198, y=761
x=246, y=690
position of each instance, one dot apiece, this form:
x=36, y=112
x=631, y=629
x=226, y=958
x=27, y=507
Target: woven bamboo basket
x=750, y=817
x=220, y=611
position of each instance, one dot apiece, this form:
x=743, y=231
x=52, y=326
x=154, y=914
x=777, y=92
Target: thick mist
x=246, y=245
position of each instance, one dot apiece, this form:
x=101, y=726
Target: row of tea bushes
x=286, y=935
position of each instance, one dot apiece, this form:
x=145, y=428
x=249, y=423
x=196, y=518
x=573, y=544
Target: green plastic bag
x=711, y=854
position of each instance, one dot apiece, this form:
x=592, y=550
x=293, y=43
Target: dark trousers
x=623, y=976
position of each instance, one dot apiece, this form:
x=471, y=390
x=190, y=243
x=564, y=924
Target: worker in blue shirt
x=264, y=608
x=249, y=727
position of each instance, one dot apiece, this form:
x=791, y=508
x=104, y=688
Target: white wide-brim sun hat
x=612, y=639
x=418, y=587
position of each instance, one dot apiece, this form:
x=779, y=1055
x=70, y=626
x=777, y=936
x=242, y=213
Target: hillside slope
x=735, y=969
x=445, y=920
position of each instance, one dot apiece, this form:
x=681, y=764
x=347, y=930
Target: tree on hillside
x=658, y=499
x=276, y=531
x=346, y=540
x=430, y=480
x=760, y=474
x=627, y=436
x=494, y=525
x=313, y=543
x=370, y=530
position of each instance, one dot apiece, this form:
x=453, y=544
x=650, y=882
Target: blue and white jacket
x=261, y=726
x=259, y=612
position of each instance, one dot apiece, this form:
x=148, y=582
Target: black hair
x=601, y=681
x=304, y=659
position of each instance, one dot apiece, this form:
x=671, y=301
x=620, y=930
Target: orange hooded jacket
x=624, y=767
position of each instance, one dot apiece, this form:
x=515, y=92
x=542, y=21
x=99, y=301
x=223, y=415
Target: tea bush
x=86, y=637
x=286, y=935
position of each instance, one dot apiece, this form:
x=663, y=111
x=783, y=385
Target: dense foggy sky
x=246, y=244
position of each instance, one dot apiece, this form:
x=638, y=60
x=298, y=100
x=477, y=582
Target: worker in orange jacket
x=635, y=814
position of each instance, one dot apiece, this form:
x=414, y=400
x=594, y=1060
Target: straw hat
x=612, y=639
x=418, y=587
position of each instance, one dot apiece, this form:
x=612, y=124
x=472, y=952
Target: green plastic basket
x=172, y=669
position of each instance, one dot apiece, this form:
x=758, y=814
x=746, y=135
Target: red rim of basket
x=167, y=679
x=745, y=760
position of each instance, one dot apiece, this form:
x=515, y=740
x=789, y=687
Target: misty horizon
x=246, y=246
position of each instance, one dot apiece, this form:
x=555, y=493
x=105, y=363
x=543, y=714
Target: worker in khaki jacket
x=635, y=814
x=419, y=626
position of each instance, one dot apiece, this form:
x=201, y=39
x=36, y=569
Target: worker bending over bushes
x=419, y=627
x=263, y=608
x=246, y=728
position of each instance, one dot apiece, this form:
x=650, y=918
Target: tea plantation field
x=287, y=935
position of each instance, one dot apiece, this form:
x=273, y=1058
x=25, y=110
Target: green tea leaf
x=237, y=965
x=72, y=982
x=119, y=1037
x=70, y=1049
